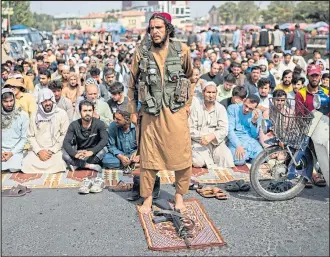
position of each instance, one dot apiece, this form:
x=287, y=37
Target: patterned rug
x=163, y=237
x=112, y=177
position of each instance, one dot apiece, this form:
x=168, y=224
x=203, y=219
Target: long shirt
x=94, y=138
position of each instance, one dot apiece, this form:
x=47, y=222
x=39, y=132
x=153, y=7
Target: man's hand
x=124, y=160
x=134, y=118
x=3, y=159
x=79, y=155
x=87, y=154
x=237, y=101
x=135, y=158
x=239, y=153
x=44, y=155
x=255, y=116
x=8, y=155
x=188, y=110
x=261, y=108
x=95, y=115
x=207, y=139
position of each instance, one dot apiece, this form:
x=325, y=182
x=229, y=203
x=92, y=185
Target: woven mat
x=112, y=177
x=163, y=237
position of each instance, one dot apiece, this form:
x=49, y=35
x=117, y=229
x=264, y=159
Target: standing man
x=5, y=49
x=165, y=136
x=298, y=39
x=236, y=38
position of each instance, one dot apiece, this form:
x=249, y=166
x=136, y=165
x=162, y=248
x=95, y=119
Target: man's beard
x=87, y=118
x=48, y=111
x=8, y=109
x=286, y=83
x=161, y=44
x=314, y=86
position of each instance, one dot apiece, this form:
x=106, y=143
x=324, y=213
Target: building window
x=177, y=10
x=182, y=10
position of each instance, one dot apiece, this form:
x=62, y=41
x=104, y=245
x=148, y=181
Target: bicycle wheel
x=269, y=174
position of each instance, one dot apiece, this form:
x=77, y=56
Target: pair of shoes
x=89, y=185
x=16, y=191
x=210, y=192
x=238, y=185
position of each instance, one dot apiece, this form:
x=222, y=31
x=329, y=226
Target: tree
x=228, y=12
x=110, y=19
x=22, y=14
x=279, y=12
x=249, y=8
x=43, y=21
x=312, y=11
x=110, y=11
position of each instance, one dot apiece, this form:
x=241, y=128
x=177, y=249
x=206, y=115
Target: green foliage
x=248, y=12
x=22, y=13
x=279, y=12
x=43, y=22
x=312, y=11
x=110, y=19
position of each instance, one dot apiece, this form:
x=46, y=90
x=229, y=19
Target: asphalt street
x=59, y=222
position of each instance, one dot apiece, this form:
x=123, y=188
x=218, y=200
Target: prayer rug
x=112, y=177
x=163, y=236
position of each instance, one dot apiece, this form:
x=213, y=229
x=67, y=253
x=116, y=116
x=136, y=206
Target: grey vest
x=175, y=92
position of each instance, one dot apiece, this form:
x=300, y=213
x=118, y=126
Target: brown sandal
x=208, y=192
x=121, y=187
x=221, y=196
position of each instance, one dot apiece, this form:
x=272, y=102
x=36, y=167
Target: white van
x=25, y=45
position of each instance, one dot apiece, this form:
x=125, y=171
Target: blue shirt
x=121, y=142
x=240, y=126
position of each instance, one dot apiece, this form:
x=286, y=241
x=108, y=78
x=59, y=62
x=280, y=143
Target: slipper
x=232, y=186
x=121, y=187
x=221, y=196
x=28, y=190
x=195, y=186
x=206, y=192
x=318, y=181
x=14, y=192
x=243, y=186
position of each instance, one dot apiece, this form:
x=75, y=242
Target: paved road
x=60, y=222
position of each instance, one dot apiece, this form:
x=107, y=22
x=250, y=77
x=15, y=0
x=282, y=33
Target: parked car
x=32, y=36
x=24, y=43
x=16, y=51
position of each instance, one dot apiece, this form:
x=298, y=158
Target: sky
x=197, y=8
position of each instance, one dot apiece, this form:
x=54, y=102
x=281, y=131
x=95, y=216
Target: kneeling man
x=85, y=143
x=14, y=125
x=208, y=123
x=46, y=133
x=244, y=122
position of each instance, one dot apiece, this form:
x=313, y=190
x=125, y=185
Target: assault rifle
x=168, y=214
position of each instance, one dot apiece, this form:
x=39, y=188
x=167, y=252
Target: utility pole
x=8, y=18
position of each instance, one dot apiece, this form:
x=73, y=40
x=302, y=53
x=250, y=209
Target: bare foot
x=179, y=205
x=145, y=208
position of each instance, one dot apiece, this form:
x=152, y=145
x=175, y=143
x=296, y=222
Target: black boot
x=135, y=195
x=156, y=191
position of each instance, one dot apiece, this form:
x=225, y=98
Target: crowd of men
x=67, y=108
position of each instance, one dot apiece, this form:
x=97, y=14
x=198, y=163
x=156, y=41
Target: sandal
x=14, y=192
x=28, y=190
x=221, y=196
x=206, y=192
x=121, y=187
x=309, y=184
x=232, y=186
x=318, y=181
x=243, y=186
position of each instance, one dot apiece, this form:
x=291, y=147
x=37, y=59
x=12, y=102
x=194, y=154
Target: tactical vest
x=176, y=87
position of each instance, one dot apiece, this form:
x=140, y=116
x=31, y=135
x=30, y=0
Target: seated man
x=118, y=98
x=61, y=101
x=225, y=90
x=244, y=122
x=46, y=134
x=85, y=143
x=14, y=124
x=122, y=143
x=208, y=129
x=238, y=95
x=263, y=93
x=101, y=109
